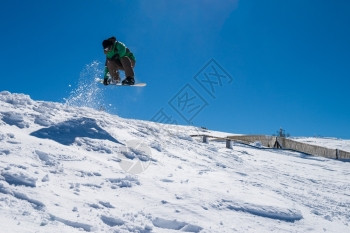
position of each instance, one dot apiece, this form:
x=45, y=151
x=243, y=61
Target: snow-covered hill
x=69, y=169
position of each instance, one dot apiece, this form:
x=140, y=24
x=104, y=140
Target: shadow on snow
x=67, y=131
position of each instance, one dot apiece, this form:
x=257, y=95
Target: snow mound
x=175, y=225
x=19, y=179
x=273, y=212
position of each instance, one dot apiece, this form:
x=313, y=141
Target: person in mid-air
x=118, y=57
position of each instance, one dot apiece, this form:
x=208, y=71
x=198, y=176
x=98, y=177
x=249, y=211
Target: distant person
x=118, y=57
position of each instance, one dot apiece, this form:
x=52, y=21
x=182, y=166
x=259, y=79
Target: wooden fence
x=281, y=143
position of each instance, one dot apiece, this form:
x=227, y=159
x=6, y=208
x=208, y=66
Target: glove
x=105, y=81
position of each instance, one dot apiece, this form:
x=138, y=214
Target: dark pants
x=124, y=63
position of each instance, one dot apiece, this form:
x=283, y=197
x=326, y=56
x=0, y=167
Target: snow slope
x=70, y=169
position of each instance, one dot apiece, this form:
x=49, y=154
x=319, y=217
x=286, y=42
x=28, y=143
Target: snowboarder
x=118, y=57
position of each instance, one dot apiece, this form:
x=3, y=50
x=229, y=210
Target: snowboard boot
x=129, y=81
x=115, y=80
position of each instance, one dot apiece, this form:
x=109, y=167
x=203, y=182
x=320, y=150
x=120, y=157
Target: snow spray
x=88, y=93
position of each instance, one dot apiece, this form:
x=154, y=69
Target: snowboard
x=120, y=84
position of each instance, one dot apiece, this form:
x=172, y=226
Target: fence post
x=205, y=139
x=228, y=144
x=336, y=153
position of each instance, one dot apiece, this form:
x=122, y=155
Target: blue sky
x=282, y=63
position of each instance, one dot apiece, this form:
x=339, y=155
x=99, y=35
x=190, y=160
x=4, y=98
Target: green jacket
x=119, y=50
